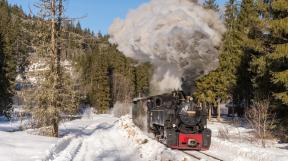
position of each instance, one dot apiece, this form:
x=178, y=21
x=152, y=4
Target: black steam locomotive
x=174, y=119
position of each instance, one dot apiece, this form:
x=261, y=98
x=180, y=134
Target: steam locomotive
x=174, y=119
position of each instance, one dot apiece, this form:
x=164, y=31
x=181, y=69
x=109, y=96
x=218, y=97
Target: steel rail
x=199, y=158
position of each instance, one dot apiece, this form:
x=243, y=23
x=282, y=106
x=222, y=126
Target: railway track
x=199, y=155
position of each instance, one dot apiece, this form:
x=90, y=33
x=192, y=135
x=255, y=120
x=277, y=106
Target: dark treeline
x=13, y=51
x=253, y=61
x=108, y=76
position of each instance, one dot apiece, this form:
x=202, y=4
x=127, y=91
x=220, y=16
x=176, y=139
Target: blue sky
x=99, y=14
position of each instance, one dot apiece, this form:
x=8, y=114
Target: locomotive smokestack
x=178, y=37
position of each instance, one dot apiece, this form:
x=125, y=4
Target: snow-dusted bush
x=223, y=133
x=88, y=112
x=261, y=120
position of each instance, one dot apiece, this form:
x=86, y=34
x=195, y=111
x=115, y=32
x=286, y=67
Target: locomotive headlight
x=192, y=142
x=191, y=113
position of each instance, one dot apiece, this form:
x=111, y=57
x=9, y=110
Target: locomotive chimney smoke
x=178, y=37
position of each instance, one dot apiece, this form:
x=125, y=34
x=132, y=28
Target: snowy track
x=95, y=142
x=106, y=138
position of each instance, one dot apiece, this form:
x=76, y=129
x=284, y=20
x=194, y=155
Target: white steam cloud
x=178, y=37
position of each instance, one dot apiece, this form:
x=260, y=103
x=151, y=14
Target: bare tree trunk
x=52, y=64
x=55, y=127
x=58, y=52
x=218, y=111
x=209, y=112
x=53, y=34
x=56, y=23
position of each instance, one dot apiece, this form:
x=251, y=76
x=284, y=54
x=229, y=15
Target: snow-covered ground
x=94, y=138
x=107, y=138
x=9, y=125
x=240, y=145
x=18, y=145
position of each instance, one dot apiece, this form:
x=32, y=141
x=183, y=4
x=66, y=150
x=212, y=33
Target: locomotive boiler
x=174, y=119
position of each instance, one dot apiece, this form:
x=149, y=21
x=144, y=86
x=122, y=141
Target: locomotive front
x=175, y=120
x=191, y=128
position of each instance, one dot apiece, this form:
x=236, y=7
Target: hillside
x=82, y=52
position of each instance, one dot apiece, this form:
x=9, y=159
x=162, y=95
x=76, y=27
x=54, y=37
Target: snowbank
x=148, y=148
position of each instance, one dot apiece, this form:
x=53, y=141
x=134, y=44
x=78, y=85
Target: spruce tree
x=54, y=94
x=232, y=79
x=8, y=65
x=248, y=18
x=103, y=87
x=211, y=4
x=5, y=99
x=269, y=44
x=78, y=28
x=258, y=44
x=230, y=53
x=219, y=83
x=278, y=59
x=142, y=78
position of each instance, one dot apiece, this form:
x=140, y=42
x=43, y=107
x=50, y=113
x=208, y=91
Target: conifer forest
x=72, y=84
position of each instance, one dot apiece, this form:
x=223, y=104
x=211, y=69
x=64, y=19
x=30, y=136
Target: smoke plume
x=178, y=37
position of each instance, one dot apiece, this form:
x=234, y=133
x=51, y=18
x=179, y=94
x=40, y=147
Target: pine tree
x=55, y=93
x=248, y=18
x=269, y=47
x=8, y=65
x=211, y=89
x=94, y=70
x=232, y=79
x=4, y=92
x=143, y=75
x=78, y=28
x=268, y=43
x=258, y=44
x=278, y=59
x=211, y=4
x=4, y=98
x=230, y=53
x=218, y=84
x=108, y=76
